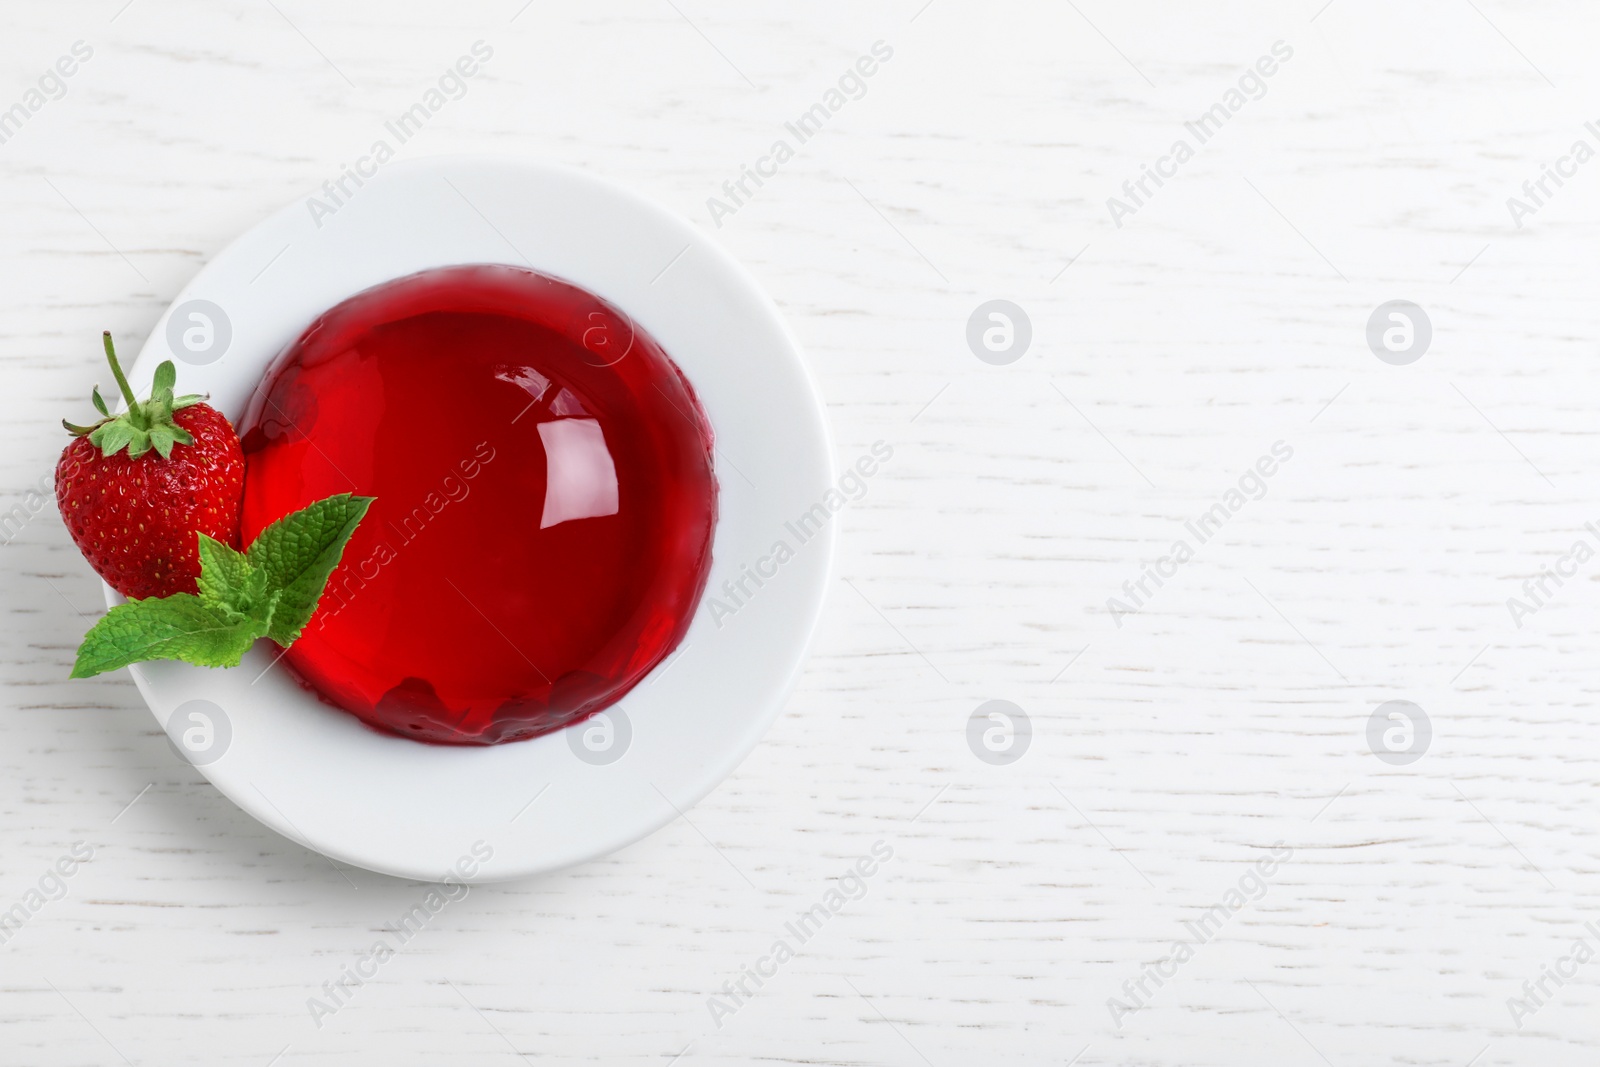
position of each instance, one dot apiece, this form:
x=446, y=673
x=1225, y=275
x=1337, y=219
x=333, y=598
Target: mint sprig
x=270, y=590
x=298, y=553
x=181, y=626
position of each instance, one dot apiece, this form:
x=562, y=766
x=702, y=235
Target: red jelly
x=545, y=501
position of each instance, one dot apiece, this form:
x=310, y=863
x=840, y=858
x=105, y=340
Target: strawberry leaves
x=270, y=591
x=145, y=424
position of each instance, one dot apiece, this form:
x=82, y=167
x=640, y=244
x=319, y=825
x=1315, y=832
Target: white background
x=1168, y=754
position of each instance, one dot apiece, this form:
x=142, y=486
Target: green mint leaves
x=181, y=626
x=269, y=590
x=298, y=553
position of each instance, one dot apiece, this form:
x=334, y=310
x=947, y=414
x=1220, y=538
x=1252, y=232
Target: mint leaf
x=299, y=552
x=228, y=580
x=223, y=572
x=269, y=591
x=182, y=626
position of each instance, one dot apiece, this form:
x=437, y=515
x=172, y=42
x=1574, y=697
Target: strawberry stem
x=145, y=425
x=135, y=413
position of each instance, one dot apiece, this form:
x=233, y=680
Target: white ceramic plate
x=319, y=777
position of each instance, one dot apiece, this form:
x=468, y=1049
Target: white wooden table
x=1408, y=903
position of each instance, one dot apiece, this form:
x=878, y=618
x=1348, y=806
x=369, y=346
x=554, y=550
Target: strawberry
x=136, y=488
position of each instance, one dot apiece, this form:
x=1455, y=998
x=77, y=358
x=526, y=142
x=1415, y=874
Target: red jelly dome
x=545, y=501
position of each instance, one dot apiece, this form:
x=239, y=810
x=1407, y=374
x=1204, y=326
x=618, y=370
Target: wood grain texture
x=1169, y=754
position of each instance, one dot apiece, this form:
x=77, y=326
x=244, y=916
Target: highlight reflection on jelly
x=581, y=479
x=542, y=528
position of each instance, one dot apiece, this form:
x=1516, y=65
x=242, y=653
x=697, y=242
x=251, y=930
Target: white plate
x=319, y=777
